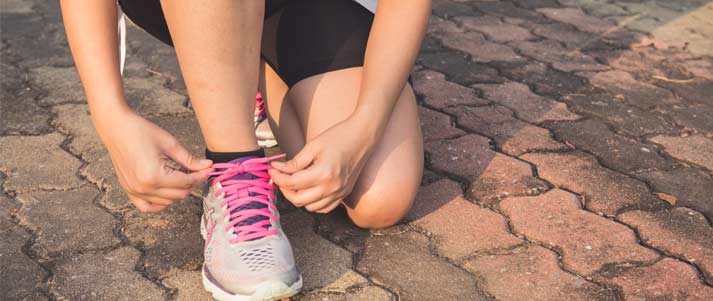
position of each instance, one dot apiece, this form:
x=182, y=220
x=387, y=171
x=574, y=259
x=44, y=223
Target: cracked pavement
x=568, y=148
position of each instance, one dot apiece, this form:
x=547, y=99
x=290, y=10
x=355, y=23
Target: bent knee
x=379, y=211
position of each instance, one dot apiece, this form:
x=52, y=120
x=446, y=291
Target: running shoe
x=265, y=137
x=247, y=255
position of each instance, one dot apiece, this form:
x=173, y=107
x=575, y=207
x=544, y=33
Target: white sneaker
x=247, y=256
x=265, y=137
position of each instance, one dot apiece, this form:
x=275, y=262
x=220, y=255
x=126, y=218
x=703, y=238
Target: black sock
x=223, y=157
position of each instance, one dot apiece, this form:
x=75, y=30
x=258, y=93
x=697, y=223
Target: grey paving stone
x=321, y=262
x=20, y=114
x=170, y=239
x=44, y=166
x=404, y=264
x=562, y=59
x=104, y=276
x=544, y=80
x=189, y=286
x=22, y=277
x=691, y=188
x=459, y=69
x=436, y=125
x=364, y=293
x=61, y=84
x=636, y=93
x=614, y=150
x=495, y=29
x=480, y=49
x=67, y=221
x=696, y=118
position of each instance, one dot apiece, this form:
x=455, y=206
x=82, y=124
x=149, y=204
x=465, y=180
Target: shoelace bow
x=240, y=192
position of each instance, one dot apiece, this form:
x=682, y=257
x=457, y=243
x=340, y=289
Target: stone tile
x=101, y=172
x=668, y=279
x=459, y=69
x=634, y=92
x=432, y=197
x=62, y=84
x=615, y=151
x=643, y=62
x=149, y=96
x=362, y=293
x=67, y=221
x=513, y=136
x=598, y=242
x=439, y=93
x=564, y=33
x=533, y=274
x=493, y=176
x=16, y=7
x=622, y=116
x=44, y=166
x=321, y=262
x=599, y=8
x=479, y=48
x=436, y=125
x=336, y=227
x=460, y=229
x=692, y=188
x=604, y=191
x=527, y=106
x=35, y=38
x=20, y=114
x=388, y=258
x=702, y=68
x=695, y=118
x=577, y=18
x=544, y=80
x=679, y=231
x=75, y=120
x=170, y=239
x=508, y=9
x=495, y=29
x=188, y=285
x=448, y=9
x=695, y=149
x=22, y=277
x=438, y=27
x=87, y=276
x=186, y=129
x=695, y=92
x=565, y=60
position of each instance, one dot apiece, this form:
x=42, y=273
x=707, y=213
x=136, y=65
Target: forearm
x=92, y=35
x=394, y=42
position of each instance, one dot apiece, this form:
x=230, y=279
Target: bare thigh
x=388, y=183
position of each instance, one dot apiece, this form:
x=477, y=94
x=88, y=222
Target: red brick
x=696, y=149
x=461, y=228
x=577, y=18
x=668, y=279
x=513, y=136
x=680, y=231
x=432, y=197
x=436, y=125
x=532, y=274
x=587, y=241
x=605, y=191
x=439, y=93
x=493, y=175
x=566, y=60
x=527, y=106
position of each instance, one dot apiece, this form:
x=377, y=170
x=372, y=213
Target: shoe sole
x=265, y=291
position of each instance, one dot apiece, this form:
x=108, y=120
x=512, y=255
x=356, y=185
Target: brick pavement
x=568, y=157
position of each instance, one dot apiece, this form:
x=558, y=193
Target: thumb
x=178, y=153
x=299, y=162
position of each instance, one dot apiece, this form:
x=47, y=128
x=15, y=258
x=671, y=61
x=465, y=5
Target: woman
x=334, y=77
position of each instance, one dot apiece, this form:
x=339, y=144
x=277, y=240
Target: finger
x=299, y=162
x=329, y=208
x=300, y=180
x=156, y=200
x=321, y=204
x=181, y=180
x=145, y=206
x=178, y=153
x=305, y=197
x=173, y=194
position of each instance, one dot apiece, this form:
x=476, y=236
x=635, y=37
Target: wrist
x=109, y=115
x=367, y=125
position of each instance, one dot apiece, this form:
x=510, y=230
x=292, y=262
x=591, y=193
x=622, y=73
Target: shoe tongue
x=251, y=205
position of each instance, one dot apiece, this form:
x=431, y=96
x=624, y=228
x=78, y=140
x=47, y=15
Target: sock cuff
x=223, y=157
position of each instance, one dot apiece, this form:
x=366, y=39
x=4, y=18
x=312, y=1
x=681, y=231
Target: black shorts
x=300, y=38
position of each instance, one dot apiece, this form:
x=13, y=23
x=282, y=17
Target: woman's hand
x=140, y=151
x=324, y=172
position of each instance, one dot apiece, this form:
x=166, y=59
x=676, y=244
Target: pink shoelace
x=243, y=192
x=259, y=107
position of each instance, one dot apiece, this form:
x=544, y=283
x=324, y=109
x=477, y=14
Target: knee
x=378, y=211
